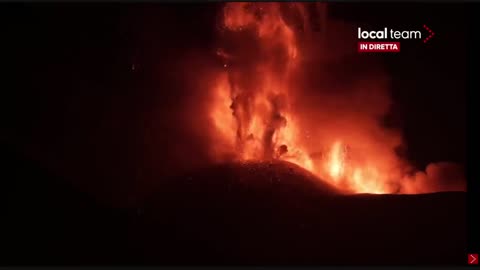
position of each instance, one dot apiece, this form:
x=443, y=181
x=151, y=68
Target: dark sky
x=428, y=80
x=70, y=97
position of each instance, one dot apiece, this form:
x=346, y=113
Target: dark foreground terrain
x=262, y=214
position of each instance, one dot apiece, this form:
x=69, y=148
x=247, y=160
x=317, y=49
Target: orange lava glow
x=336, y=162
x=259, y=111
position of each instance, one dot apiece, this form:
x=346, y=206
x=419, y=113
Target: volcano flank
x=257, y=176
x=278, y=213
x=249, y=213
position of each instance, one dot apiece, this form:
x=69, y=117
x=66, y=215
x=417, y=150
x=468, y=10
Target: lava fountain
x=260, y=112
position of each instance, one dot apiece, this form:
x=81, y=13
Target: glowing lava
x=336, y=161
x=256, y=116
x=252, y=109
x=257, y=84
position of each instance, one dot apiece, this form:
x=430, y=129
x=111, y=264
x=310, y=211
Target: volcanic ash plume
x=285, y=94
x=257, y=77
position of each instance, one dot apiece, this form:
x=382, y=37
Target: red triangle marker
x=472, y=258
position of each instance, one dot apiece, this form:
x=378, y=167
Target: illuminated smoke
x=291, y=89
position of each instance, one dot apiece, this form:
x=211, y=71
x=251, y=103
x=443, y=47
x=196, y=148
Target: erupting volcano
x=235, y=133
x=267, y=105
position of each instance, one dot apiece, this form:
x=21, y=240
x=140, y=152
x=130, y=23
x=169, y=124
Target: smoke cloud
x=290, y=85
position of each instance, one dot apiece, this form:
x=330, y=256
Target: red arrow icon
x=472, y=258
x=431, y=33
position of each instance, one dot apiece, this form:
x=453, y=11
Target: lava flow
x=262, y=110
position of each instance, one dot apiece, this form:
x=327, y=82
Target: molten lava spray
x=286, y=93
